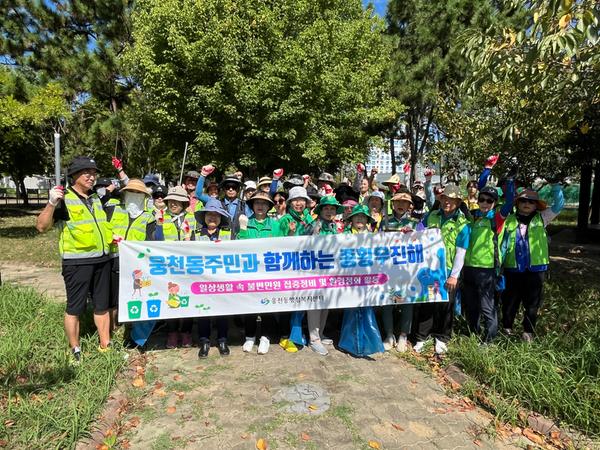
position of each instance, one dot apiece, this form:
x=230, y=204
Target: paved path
x=45, y=279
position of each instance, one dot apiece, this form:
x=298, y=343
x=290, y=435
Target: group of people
x=495, y=239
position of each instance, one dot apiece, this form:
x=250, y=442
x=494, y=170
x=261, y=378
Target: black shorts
x=84, y=279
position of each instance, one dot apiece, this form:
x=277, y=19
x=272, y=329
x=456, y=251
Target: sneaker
x=103, y=349
x=389, y=342
x=186, y=340
x=402, y=344
x=326, y=341
x=172, y=339
x=440, y=347
x=288, y=346
x=76, y=353
x=263, y=345
x=507, y=331
x=318, y=348
x=418, y=348
x=527, y=337
x=247, y=347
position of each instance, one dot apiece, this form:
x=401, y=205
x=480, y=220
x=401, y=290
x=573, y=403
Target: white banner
x=168, y=280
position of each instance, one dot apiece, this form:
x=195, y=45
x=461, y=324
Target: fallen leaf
x=109, y=432
x=159, y=392
x=176, y=377
x=261, y=444
x=180, y=395
x=304, y=437
x=440, y=411
x=313, y=407
x=397, y=427
x=134, y=421
x=245, y=436
x=532, y=436
x=9, y=423
x=138, y=382
x=103, y=447
x=477, y=442
x=374, y=444
x=555, y=434
x=171, y=410
x=50, y=396
x=158, y=385
x=140, y=370
x=125, y=444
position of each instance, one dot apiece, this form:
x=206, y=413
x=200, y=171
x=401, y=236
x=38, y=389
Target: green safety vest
x=391, y=223
x=224, y=235
x=170, y=230
x=84, y=235
x=134, y=231
x=450, y=230
x=481, y=244
x=536, y=237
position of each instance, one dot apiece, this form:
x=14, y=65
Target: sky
x=380, y=6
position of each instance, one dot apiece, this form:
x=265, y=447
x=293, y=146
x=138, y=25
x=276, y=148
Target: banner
x=168, y=280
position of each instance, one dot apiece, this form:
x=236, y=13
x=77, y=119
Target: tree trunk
x=595, y=215
x=393, y=152
x=19, y=181
x=585, y=185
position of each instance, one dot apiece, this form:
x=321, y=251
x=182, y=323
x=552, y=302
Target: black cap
x=313, y=193
x=231, y=179
x=81, y=163
x=103, y=182
x=490, y=191
x=159, y=189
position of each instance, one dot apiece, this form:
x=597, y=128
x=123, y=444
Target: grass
x=45, y=400
x=556, y=375
x=20, y=242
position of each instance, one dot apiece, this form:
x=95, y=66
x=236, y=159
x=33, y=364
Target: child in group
x=177, y=224
x=400, y=220
x=259, y=225
x=213, y=221
x=327, y=209
x=360, y=335
x=525, y=246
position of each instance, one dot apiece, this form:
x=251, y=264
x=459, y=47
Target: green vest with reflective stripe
x=536, y=237
x=450, y=229
x=170, y=230
x=481, y=244
x=224, y=235
x=136, y=231
x=84, y=235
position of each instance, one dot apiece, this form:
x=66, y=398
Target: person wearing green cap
x=327, y=209
x=360, y=334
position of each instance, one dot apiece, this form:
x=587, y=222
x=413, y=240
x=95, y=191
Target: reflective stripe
x=82, y=255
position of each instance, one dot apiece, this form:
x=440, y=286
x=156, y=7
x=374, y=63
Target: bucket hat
x=136, y=185
x=249, y=185
x=313, y=193
x=393, y=180
x=375, y=194
x=81, y=163
x=192, y=174
x=151, y=179
x=327, y=178
x=361, y=209
x=177, y=193
x=260, y=195
x=293, y=180
x=530, y=194
x=213, y=205
x=329, y=200
x=298, y=192
x=452, y=191
x=264, y=181
x=403, y=196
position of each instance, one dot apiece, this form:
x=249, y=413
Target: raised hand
x=277, y=174
x=56, y=194
x=117, y=163
x=243, y=221
x=491, y=161
x=207, y=170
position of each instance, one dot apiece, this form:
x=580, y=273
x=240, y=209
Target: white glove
x=56, y=194
x=243, y=221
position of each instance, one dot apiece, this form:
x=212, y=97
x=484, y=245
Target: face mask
x=134, y=203
x=150, y=203
x=101, y=191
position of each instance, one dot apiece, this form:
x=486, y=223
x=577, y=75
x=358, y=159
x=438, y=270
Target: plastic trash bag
x=140, y=331
x=296, y=335
x=360, y=334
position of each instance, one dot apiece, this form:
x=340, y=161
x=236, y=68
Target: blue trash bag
x=457, y=303
x=360, y=334
x=296, y=335
x=140, y=331
x=500, y=283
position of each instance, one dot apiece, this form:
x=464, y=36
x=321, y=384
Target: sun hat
x=298, y=192
x=81, y=163
x=326, y=178
x=393, y=180
x=151, y=178
x=192, y=174
x=530, y=194
x=260, y=195
x=361, y=209
x=136, y=185
x=230, y=179
x=293, y=180
x=377, y=194
x=329, y=200
x=177, y=193
x=403, y=196
x=490, y=191
x=213, y=205
x=249, y=185
x=264, y=181
x=452, y=191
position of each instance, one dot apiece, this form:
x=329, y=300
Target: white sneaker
x=440, y=347
x=263, y=345
x=402, y=344
x=326, y=341
x=248, y=345
x=418, y=348
x=318, y=348
x=389, y=342
x=527, y=337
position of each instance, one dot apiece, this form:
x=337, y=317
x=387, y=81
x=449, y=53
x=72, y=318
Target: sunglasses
x=526, y=200
x=232, y=187
x=487, y=200
x=158, y=196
